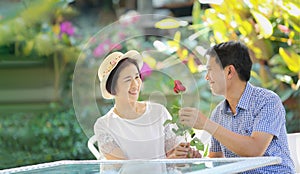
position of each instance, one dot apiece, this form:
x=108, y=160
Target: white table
x=189, y=166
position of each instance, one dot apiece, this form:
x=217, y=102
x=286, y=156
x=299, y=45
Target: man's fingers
x=187, y=110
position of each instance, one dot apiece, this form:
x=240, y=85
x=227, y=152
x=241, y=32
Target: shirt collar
x=243, y=102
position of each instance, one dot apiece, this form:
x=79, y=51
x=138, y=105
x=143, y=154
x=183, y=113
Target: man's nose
x=206, y=76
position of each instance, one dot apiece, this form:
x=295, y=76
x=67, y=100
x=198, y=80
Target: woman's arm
x=116, y=154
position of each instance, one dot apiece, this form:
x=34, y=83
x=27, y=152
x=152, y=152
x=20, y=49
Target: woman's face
x=128, y=84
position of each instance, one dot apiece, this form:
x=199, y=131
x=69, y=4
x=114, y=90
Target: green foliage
x=33, y=30
x=183, y=130
x=31, y=138
x=271, y=31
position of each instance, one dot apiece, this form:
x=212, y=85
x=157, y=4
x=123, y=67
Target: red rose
x=178, y=87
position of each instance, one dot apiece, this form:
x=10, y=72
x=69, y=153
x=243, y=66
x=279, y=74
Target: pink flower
x=105, y=46
x=101, y=48
x=115, y=46
x=67, y=28
x=283, y=28
x=145, y=71
x=122, y=35
x=178, y=86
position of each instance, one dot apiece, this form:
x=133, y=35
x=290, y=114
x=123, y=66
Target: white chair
x=294, y=145
x=92, y=145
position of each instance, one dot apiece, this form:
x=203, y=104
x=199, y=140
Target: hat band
x=111, y=65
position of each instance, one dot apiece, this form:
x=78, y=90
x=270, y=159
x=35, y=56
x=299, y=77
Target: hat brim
x=132, y=54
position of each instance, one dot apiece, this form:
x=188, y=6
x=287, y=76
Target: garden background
x=41, y=42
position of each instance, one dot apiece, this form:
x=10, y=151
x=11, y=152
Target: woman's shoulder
x=103, y=120
x=156, y=105
x=156, y=108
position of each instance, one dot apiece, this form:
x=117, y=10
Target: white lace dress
x=141, y=138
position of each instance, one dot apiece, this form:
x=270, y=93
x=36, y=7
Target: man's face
x=215, y=76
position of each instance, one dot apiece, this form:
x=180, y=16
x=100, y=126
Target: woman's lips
x=132, y=92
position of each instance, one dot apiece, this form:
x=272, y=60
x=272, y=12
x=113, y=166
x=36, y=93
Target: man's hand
x=192, y=117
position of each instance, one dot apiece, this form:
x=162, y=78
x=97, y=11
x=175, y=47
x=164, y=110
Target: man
x=250, y=122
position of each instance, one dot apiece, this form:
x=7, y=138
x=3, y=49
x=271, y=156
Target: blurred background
x=43, y=42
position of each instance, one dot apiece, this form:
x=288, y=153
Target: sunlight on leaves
x=217, y=2
x=149, y=60
x=28, y=47
x=196, y=13
x=245, y=28
x=174, y=44
x=265, y=26
x=191, y=64
x=291, y=59
x=182, y=54
x=167, y=24
x=160, y=46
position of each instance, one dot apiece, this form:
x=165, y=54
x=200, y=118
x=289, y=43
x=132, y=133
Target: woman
x=133, y=129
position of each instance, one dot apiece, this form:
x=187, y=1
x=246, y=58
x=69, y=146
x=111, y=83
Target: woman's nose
x=134, y=82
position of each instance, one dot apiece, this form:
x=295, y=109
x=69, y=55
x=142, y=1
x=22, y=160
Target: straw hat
x=110, y=62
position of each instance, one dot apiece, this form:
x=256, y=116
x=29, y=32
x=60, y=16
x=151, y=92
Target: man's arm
x=216, y=155
x=254, y=145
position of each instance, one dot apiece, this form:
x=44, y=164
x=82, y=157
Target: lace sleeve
x=106, y=143
x=171, y=139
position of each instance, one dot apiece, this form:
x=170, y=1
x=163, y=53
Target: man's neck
x=234, y=94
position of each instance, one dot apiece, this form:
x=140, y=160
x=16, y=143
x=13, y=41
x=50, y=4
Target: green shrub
x=30, y=138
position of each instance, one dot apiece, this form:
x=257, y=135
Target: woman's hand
x=183, y=150
x=194, y=153
x=180, y=151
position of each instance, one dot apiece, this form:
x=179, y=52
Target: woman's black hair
x=114, y=75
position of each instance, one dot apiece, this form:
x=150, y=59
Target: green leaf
x=192, y=143
x=196, y=12
x=175, y=108
x=175, y=118
x=284, y=95
x=200, y=146
x=167, y=122
x=206, y=151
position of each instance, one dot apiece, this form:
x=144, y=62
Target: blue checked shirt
x=258, y=110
